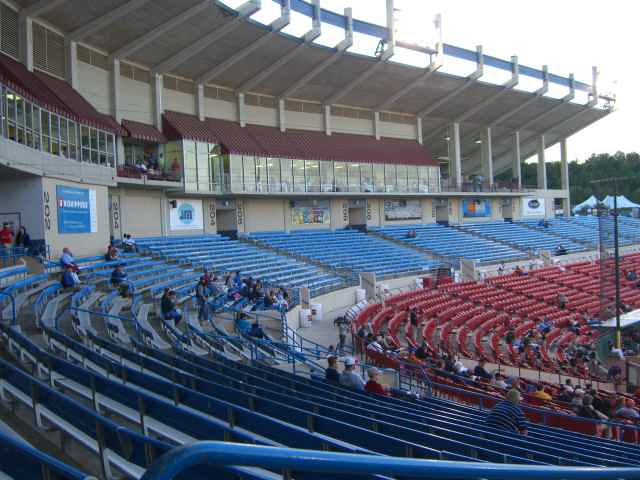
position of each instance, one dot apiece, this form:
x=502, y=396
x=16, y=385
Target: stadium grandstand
x=214, y=231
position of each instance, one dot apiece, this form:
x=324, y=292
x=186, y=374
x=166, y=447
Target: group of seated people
x=560, y=250
x=349, y=377
x=9, y=239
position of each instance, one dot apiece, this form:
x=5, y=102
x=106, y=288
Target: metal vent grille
x=8, y=31
x=48, y=51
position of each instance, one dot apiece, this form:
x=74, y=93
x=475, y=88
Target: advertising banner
x=307, y=213
x=474, y=208
x=402, y=210
x=533, y=207
x=77, y=212
x=186, y=216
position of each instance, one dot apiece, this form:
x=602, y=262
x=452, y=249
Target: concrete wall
x=351, y=125
x=339, y=213
x=261, y=116
x=303, y=120
x=93, y=84
x=141, y=211
x=397, y=130
x=219, y=109
x=178, y=101
x=23, y=196
x=136, y=100
x=210, y=216
x=373, y=212
x=80, y=244
x=265, y=215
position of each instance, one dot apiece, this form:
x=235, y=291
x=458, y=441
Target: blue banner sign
x=76, y=210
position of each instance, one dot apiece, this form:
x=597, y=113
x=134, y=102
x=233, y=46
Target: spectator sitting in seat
x=70, y=277
x=67, y=259
x=459, y=368
x=168, y=307
x=349, y=378
x=631, y=276
x=543, y=223
x=129, y=244
x=373, y=386
x=422, y=352
x=499, y=382
x=507, y=414
x=6, y=236
x=562, y=301
x=412, y=234
x=566, y=394
x=202, y=298
x=375, y=344
x=480, y=372
x=256, y=331
x=331, y=372
x=625, y=409
x=237, y=280
x=519, y=271
x=541, y=394
x=269, y=300
x=112, y=253
x=118, y=275
x=23, y=239
x=560, y=250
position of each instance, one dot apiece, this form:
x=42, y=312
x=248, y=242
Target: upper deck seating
x=451, y=242
x=348, y=249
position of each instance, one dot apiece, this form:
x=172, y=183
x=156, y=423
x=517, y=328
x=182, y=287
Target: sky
x=570, y=36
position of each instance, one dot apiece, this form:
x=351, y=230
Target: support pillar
x=516, y=165
x=72, y=63
x=115, y=90
x=564, y=178
x=542, y=170
x=158, y=109
x=419, y=130
x=242, y=117
x=486, y=157
x=282, y=121
x=327, y=119
x=200, y=102
x=376, y=125
x=26, y=41
x=455, y=157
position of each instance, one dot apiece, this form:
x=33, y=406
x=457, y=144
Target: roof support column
x=542, y=170
x=26, y=41
x=115, y=89
x=564, y=177
x=242, y=110
x=418, y=130
x=516, y=165
x=72, y=63
x=200, y=109
x=455, y=157
x=376, y=125
x=486, y=156
x=158, y=109
x=327, y=119
x=282, y=117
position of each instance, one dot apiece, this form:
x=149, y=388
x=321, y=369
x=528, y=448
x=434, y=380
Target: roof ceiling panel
x=76, y=13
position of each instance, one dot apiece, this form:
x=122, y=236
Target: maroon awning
x=235, y=138
x=274, y=142
x=177, y=126
x=143, y=131
x=84, y=111
x=18, y=78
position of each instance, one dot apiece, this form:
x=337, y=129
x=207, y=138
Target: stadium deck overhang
x=210, y=43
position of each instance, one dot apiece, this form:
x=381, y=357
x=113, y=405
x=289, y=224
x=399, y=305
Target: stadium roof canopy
x=208, y=42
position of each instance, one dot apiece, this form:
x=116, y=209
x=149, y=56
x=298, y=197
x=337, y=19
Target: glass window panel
x=55, y=128
x=72, y=133
x=326, y=176
x=298, y=175
x=424, y=179
x=103, y=158
x=86, y=155
x=29, y=141
x=44, y=116
x=215, y=166
x=35, y=118
x=28, y=115
x=202, y=152
x=94, y=139
x=412, y=175
x=286, y=174
x=11, y=131
x=390, y=178
x=261, y=174
x=55, y=146
x=366, y=172
x=312, y=173
x=354, y=177
x=73, y=152
x=110, y=144
x=235, y=165
x=86, y=137
x=20, y=111
x=11, y=105
x=273, y=171
x=129, y=155
x=102, y=141
x=402, y=177
x=340, y=172
x=21, y=137
x=378, y=177
x=249, y=173
x=434, y=179
x=190, y=165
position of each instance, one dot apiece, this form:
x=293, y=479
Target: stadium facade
x=169, y=118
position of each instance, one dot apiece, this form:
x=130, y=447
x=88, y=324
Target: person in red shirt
x=373, y=386
x=6, y=236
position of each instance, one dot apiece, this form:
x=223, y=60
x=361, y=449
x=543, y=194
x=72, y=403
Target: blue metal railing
x=228, y=454
x=12, y=299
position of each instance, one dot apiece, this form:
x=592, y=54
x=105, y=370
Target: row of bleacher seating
x=451, y=242
x=348, y=249
x=221, y=254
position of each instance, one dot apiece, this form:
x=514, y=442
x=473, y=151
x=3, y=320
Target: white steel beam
x=41, y=7
x=541, y=166
x=564, y=177
x=25, y=29
x=341, y=49
x=563, y=101
x=468, y=83
x=244, y=11
x=516, y=160
x=307, y=39
x=105, y=20
x=72, y=63
x=140, y=42
x=277, y=25
x=537, y=94
x=425, y=75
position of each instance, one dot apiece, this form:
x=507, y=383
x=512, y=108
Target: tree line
x=596, y=167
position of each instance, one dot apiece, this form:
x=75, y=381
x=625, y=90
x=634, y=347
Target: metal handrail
x=14, y=319
x=222, y=454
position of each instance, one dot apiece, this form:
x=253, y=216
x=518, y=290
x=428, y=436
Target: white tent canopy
x=590, y=202
x=621, y=200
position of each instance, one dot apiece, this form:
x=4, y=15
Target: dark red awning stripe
x=143, y=131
